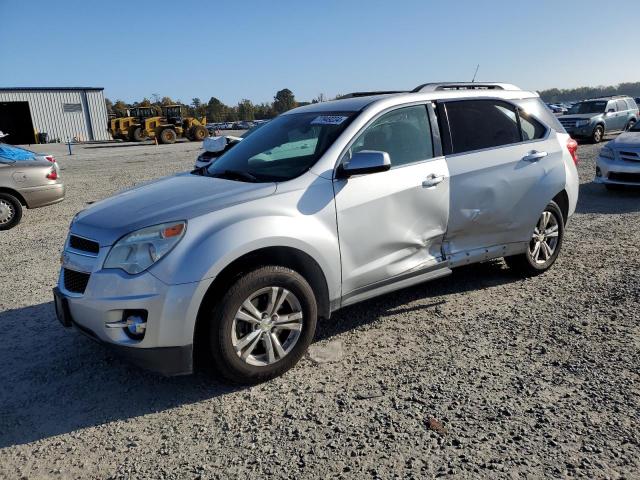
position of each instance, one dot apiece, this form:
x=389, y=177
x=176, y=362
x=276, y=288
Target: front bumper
x=171, y=313
x=169, y=361
x=617, y=171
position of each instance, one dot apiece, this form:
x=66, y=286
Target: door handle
x=432, y=180
x=534, y=156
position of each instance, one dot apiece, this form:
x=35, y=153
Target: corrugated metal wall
x=48, y=112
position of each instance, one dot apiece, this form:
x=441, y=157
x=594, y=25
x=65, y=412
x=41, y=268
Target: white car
x=618, y=164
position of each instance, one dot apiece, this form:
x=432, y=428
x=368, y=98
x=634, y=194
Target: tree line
x=553, y=95
x=215, y=110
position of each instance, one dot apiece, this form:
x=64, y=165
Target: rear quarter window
x=536, y=108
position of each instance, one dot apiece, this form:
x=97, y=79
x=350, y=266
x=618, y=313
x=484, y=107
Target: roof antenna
x=476, y=73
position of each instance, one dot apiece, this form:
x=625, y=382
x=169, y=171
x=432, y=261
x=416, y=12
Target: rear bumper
x=36, y=197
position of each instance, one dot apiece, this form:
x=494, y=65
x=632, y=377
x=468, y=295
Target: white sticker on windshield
x=328, y=120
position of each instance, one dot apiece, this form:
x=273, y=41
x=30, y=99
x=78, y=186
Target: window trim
x=443, y=118
x=434, y=131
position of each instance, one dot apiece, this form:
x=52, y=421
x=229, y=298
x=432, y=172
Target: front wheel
x=598, y=134
x=263, y=325
x=544, y=246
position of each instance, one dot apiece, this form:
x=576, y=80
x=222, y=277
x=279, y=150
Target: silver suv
x=327, y=205
x=593, y=119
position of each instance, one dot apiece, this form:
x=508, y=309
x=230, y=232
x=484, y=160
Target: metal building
x=62, y=113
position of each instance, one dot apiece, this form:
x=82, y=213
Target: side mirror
x=365, y=161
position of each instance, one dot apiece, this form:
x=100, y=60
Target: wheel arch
x=16, y=194
x=562, y=199
x=284, y=256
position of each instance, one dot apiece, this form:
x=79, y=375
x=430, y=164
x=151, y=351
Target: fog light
x=598, y=172
x=134, y=324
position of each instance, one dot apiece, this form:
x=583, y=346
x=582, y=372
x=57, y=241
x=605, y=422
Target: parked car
x=593, y=119
x=215, y=146
x=25, y=181
x=558, y=109
x=325, y=206
x=618, y=163
x=22, y=154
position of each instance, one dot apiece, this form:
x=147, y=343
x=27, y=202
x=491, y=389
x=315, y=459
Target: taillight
x=52, y=175
x=51, y=158
x=572, y=146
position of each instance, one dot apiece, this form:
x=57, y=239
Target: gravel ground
x=478, y=374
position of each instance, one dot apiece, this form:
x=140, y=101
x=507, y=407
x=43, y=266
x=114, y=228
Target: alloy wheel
x=544, y=239
x=267, y=326
x=7, y=212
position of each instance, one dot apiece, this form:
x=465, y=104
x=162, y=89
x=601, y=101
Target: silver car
x=327, y=205
x=618, y=164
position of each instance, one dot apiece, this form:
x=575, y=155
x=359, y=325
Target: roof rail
x=434, y=87
x=368, y=94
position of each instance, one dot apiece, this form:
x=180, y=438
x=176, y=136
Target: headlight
x=137, y=251
x=606, y=152
x=582, y=123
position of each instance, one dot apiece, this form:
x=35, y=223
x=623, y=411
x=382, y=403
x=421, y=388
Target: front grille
x=568, y=122
x=629, y=156
x=75, y=282
x=83, y=244
x=624, y=177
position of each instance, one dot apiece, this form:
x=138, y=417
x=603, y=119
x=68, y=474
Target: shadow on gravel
x=463, y=279
x=595, y=198
x=55, y=381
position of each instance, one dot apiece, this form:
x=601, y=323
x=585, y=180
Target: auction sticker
x=328, y=120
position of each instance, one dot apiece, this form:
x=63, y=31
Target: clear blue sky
x=250, y=49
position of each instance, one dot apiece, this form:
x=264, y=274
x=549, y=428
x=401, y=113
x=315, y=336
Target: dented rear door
x=497, y=192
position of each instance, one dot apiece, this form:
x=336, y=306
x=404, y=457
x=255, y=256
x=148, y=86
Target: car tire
x=532, y=262
x=168, y=136
x=598, y=134
x=629, y=125
x=10, y=211
x=245, y=342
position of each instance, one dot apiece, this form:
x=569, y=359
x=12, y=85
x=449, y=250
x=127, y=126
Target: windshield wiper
x=235, y=175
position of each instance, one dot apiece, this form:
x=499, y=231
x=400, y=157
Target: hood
x=180, y=197
x=630, y=140
x=581, y=116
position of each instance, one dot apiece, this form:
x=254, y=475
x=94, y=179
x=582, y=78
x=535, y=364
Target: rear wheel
x=598, y=134
x=629, y=125
x=10, y=211
x=199, y=133
x=544, y=246
x=263, y=325
x=168, y=135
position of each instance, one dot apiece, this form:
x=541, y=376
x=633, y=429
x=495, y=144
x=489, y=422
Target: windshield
x=282, y=149
x=587, y=107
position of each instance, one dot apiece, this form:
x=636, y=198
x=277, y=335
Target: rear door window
x=622, y=105
x=480, y=124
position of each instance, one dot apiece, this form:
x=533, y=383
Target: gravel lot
x=478, y=374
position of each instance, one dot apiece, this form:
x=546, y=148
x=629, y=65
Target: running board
x=394, y=283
